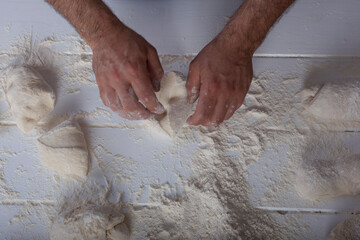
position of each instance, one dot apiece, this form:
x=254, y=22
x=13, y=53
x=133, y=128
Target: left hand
x=220, y=78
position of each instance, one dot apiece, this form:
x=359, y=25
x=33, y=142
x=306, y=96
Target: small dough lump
x=64, y=150
x=172, y=96
x=29, y=96
x=348, y=229
x=336, y=102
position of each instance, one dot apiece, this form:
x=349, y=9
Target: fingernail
x=157, y=85
x=159, y=108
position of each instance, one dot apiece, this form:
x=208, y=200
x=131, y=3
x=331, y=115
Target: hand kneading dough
x=29, y=96
x=172, y=96
x=339, y=102
x=346, y=230
x=327, y=178
x=64, y=149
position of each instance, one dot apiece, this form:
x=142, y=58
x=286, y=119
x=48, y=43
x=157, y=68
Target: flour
x=348, y=229
x=328, y=168
x=64, y=150
x=86, y=214
x=219, y=190
x=29, y=96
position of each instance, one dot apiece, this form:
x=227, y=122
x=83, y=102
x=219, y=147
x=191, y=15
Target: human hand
x=127, y=71
x=220, y=78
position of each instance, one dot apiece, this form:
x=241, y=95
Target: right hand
x=128, y=72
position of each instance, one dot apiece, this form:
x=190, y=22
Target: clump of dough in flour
x=87, y=215
x=336, y=102
x=172, y=96
x=328, y=169
x=29, y=96
x=348, y=229
x=64, y=149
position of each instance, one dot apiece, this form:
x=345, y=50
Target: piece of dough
x=346, y=230
x=327, y=172
x=172, y=96
x=339, y=102
x=29, y=96
x=64, y=150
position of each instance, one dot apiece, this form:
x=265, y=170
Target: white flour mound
x=64, y=149
x=328, y=169
x=172, y=96
x=28, y=95
x=339, y=102
x=87, y=215
x=348, y=229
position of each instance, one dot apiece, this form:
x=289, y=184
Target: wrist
x=109, y=28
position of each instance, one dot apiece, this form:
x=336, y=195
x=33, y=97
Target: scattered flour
x=216, y=201
x=329, y=167
x=84, y=215
x=348, y=229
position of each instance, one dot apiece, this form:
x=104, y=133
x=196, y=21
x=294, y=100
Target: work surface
x=314, y=42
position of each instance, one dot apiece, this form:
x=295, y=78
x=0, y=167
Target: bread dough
x=172, y=96
x=64, y=150
x=29, y=96
x=328, y=169
x=340, y=102
x=348, y=229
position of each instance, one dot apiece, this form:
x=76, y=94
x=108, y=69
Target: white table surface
x=314, y=40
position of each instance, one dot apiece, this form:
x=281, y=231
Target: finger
x=111, y=100
x=193, y=84
x=219, y=112
x=204, y=109
x=155, y=69
x=231, y=108
x=131, y=104
x=143, y=90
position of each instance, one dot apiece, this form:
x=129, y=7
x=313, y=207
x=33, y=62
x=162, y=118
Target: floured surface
x=348, y=229
x=233, y=180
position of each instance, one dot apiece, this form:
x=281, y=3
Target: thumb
x=155, y=69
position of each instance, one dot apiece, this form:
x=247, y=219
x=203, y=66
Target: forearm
x=91, y=18
x=248, y=27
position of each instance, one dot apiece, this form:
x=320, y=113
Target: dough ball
x=348, y=229
x=328, y=169
x=172, y=96
x=339, y=102
x=29, y=96
x=64, y=150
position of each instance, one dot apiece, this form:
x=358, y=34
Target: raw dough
x=348, y=229
x=339, y=102
x=172, y=96
x=64, y=150
x=29, y=96
x=328, y=169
